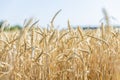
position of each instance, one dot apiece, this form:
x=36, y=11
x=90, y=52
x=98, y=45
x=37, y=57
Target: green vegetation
x=8, y=27
x=16, y=27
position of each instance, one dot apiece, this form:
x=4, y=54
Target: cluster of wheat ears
x=36, y=53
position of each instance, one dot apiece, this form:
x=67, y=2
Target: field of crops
x=35, y=53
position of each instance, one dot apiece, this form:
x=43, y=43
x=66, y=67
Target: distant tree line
x=10, y=27
x=18, y=27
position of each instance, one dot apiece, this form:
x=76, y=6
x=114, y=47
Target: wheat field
x=36, y=53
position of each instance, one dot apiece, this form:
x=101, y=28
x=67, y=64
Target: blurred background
x=79, y=12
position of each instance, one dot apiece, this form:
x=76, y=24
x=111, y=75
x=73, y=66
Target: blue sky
x=79, y=12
